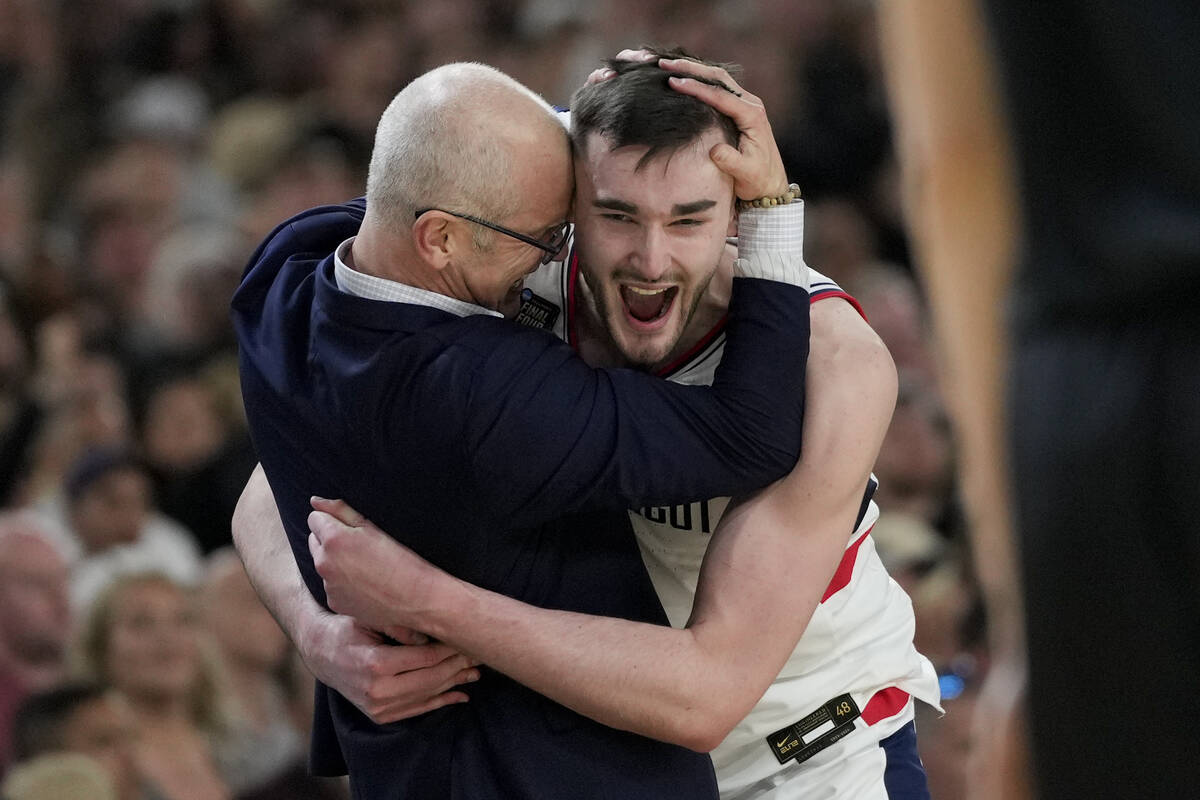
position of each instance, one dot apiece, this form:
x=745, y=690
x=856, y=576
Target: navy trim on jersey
x=872, y=485
x=823, y=290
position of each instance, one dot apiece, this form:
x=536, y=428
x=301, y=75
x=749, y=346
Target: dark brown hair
x=637, y=107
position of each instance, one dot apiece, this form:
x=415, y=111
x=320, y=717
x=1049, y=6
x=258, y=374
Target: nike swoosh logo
x=786, y=739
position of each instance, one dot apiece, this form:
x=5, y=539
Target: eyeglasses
x=551, y=246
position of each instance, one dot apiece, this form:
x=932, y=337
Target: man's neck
x=597, y=348
x=382, y=256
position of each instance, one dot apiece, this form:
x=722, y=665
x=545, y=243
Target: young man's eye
x=689, y=223
x=617, y=217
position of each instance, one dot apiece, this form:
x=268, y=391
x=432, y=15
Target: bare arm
x=687, y=686
x=386, y=682
x=960, y=199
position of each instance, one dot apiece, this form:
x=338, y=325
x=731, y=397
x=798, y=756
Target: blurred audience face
x=112, y=509
x=311, y=177
x=204, y=306
x=246, y=632
x=151, y=650
x=98, y=404
x=183, y=428
x=130, y=199
x=35, y=618
x=838, y=240
x=86, y=408
x=892, y=301
x=914, y=465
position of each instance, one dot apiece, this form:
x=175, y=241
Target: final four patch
x=535, y=311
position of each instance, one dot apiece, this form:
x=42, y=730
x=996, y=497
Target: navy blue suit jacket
x=493, y=451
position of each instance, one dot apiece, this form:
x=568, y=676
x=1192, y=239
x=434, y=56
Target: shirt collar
x=372, y=287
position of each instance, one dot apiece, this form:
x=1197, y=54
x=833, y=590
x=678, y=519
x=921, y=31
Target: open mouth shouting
x=646, y=309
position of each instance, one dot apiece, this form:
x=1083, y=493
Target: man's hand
x=368, y=575
x=755, y=164
x=385, y=682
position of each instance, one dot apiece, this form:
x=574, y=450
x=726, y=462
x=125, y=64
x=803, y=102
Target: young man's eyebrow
x=686, y=209
x=615, y=205
x=677, y=210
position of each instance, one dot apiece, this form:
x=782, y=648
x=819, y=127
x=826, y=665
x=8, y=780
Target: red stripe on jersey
x=841, y=577
x=664, y=372
x=839, y=293
x=883, y=704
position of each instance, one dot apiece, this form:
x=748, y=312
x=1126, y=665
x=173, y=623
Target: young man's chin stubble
x=607, y=318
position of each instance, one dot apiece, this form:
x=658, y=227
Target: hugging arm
x=623, y=439
x=765, y=571
x=386, y=682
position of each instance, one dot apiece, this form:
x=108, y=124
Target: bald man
x=385, y=373
x=35, y=620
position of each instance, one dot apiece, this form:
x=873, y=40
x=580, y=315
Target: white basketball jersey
x=860, y=639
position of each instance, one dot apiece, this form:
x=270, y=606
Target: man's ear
x=733, y=217
x=434, y=238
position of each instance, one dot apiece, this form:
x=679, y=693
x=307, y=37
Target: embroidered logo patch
x=536, y=311
x=805, y=738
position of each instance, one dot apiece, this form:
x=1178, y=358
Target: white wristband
x=771, y=244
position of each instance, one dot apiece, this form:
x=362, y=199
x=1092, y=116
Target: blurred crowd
x=146, y=146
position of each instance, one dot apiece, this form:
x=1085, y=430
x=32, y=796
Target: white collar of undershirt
x=372, y=287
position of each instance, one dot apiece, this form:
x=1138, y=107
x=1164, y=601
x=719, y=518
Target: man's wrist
x=445, y=602
x=783, y=197
x=308, y=629
x=771, y=244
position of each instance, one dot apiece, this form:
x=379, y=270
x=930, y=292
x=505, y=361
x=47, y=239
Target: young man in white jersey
x=645, y=285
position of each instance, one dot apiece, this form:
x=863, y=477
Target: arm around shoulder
x=619, y=438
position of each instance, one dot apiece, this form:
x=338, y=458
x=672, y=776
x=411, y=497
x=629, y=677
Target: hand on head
x=755, y=164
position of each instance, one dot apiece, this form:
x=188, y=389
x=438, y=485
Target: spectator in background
x=840, y=239
x=915, y=465
x=192, y=279
x=83, y=718
x=909, y=548
x=82, y=394
x=261, y=743
x=893, y=303
x=112, y=527
x=35, y=617
x=262, y=753
x=143, y=638
x=196, y=447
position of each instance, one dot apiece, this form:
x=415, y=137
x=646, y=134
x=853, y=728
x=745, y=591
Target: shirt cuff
x=771, y=244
